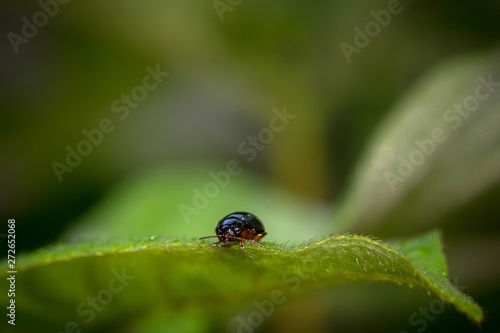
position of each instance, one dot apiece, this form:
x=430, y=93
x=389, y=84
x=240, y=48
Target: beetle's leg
x=243, y=240
x=255, y=243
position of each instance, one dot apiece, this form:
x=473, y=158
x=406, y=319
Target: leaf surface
x=95, y=285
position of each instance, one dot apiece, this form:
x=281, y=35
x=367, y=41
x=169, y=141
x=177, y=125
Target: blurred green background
x=225, y=78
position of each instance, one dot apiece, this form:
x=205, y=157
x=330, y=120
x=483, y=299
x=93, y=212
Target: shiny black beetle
x=239, y=226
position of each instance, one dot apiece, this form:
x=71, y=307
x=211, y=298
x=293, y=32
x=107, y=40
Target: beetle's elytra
x=239, y=226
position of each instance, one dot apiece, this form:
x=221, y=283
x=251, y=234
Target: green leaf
x=78, y=283
x=425, y=251
x=437, y=151
x=152, y=203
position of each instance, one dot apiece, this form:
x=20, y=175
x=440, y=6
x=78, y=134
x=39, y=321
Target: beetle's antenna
x=207, y=237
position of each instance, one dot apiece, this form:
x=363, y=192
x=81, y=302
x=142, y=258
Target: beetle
x=239, y=226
